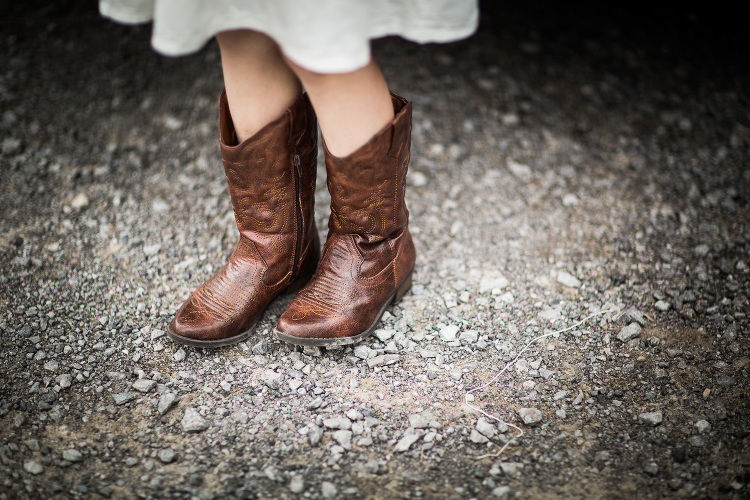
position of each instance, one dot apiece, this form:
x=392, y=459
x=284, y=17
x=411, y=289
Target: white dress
x=325, y=36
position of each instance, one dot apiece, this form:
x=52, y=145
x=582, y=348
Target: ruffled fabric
x=325, y=36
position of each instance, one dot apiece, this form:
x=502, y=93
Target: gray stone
x=568, y=280
x=166, y=401
x=477, y=437
x=240, y=417
x=166, y=455
x=486, y=427
x=469, y=337
x=328, y=489
x=651, y=469
x=338, y=423
x=314, y=435
x=703, y=426
x=512, y=468
x=530, y=416
x=123, y=397
x=33, y=467
x=193, y=421
x=297, y=483
x=343, y=438
x=272, y=379
x=72, y=455
x=354, y=414
x=662, y=305
x=383, y=360
x=144, y=385
x=362, y=351
x=631, y=331
x=384, y=334
x=652, y=418
x=418, y=421
x=501, y=492
x=550, y=315
x=65, y=380
x=634, y=315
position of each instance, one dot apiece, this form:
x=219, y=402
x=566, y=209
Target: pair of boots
x=368, y=258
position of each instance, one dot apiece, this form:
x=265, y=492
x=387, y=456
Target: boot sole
x=294, y=287
x=341, y=341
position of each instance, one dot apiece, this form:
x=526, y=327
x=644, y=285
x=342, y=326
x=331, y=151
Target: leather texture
x=271, y=178
x=369, y=254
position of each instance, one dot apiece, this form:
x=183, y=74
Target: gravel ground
x=564, y=163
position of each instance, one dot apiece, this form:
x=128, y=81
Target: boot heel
x=403, y=288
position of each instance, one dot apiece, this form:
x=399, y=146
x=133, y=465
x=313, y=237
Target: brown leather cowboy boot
x=271, y=179
x=369, y=256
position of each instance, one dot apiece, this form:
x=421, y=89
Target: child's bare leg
x=259, y=83
x=351, y=107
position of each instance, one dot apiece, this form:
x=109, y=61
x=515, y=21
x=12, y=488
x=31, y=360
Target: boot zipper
x=298, y=207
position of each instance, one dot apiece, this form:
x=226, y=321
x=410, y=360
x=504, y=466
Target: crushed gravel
x=564, y=163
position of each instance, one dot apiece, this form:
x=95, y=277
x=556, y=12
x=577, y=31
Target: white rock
x=519, y=170
x=568, y=280
x=501, y=492
x=469, y=337
x=410, y=437
x=416, y=179
x=362, y=351
x=151, y=250
x=297, y=483
x=493, y=281
x=328, y=490
x=159, y=206
x=314, y=435
x=477, y=437
x=570, y=200
x=343, y=438
x=80, y=201
x=383, y=360
x=662, y=305
x=384, y=334
x=448, y=333
x=354, y=414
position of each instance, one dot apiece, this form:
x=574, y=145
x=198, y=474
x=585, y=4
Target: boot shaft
x=368, y=187
x=271, y=175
